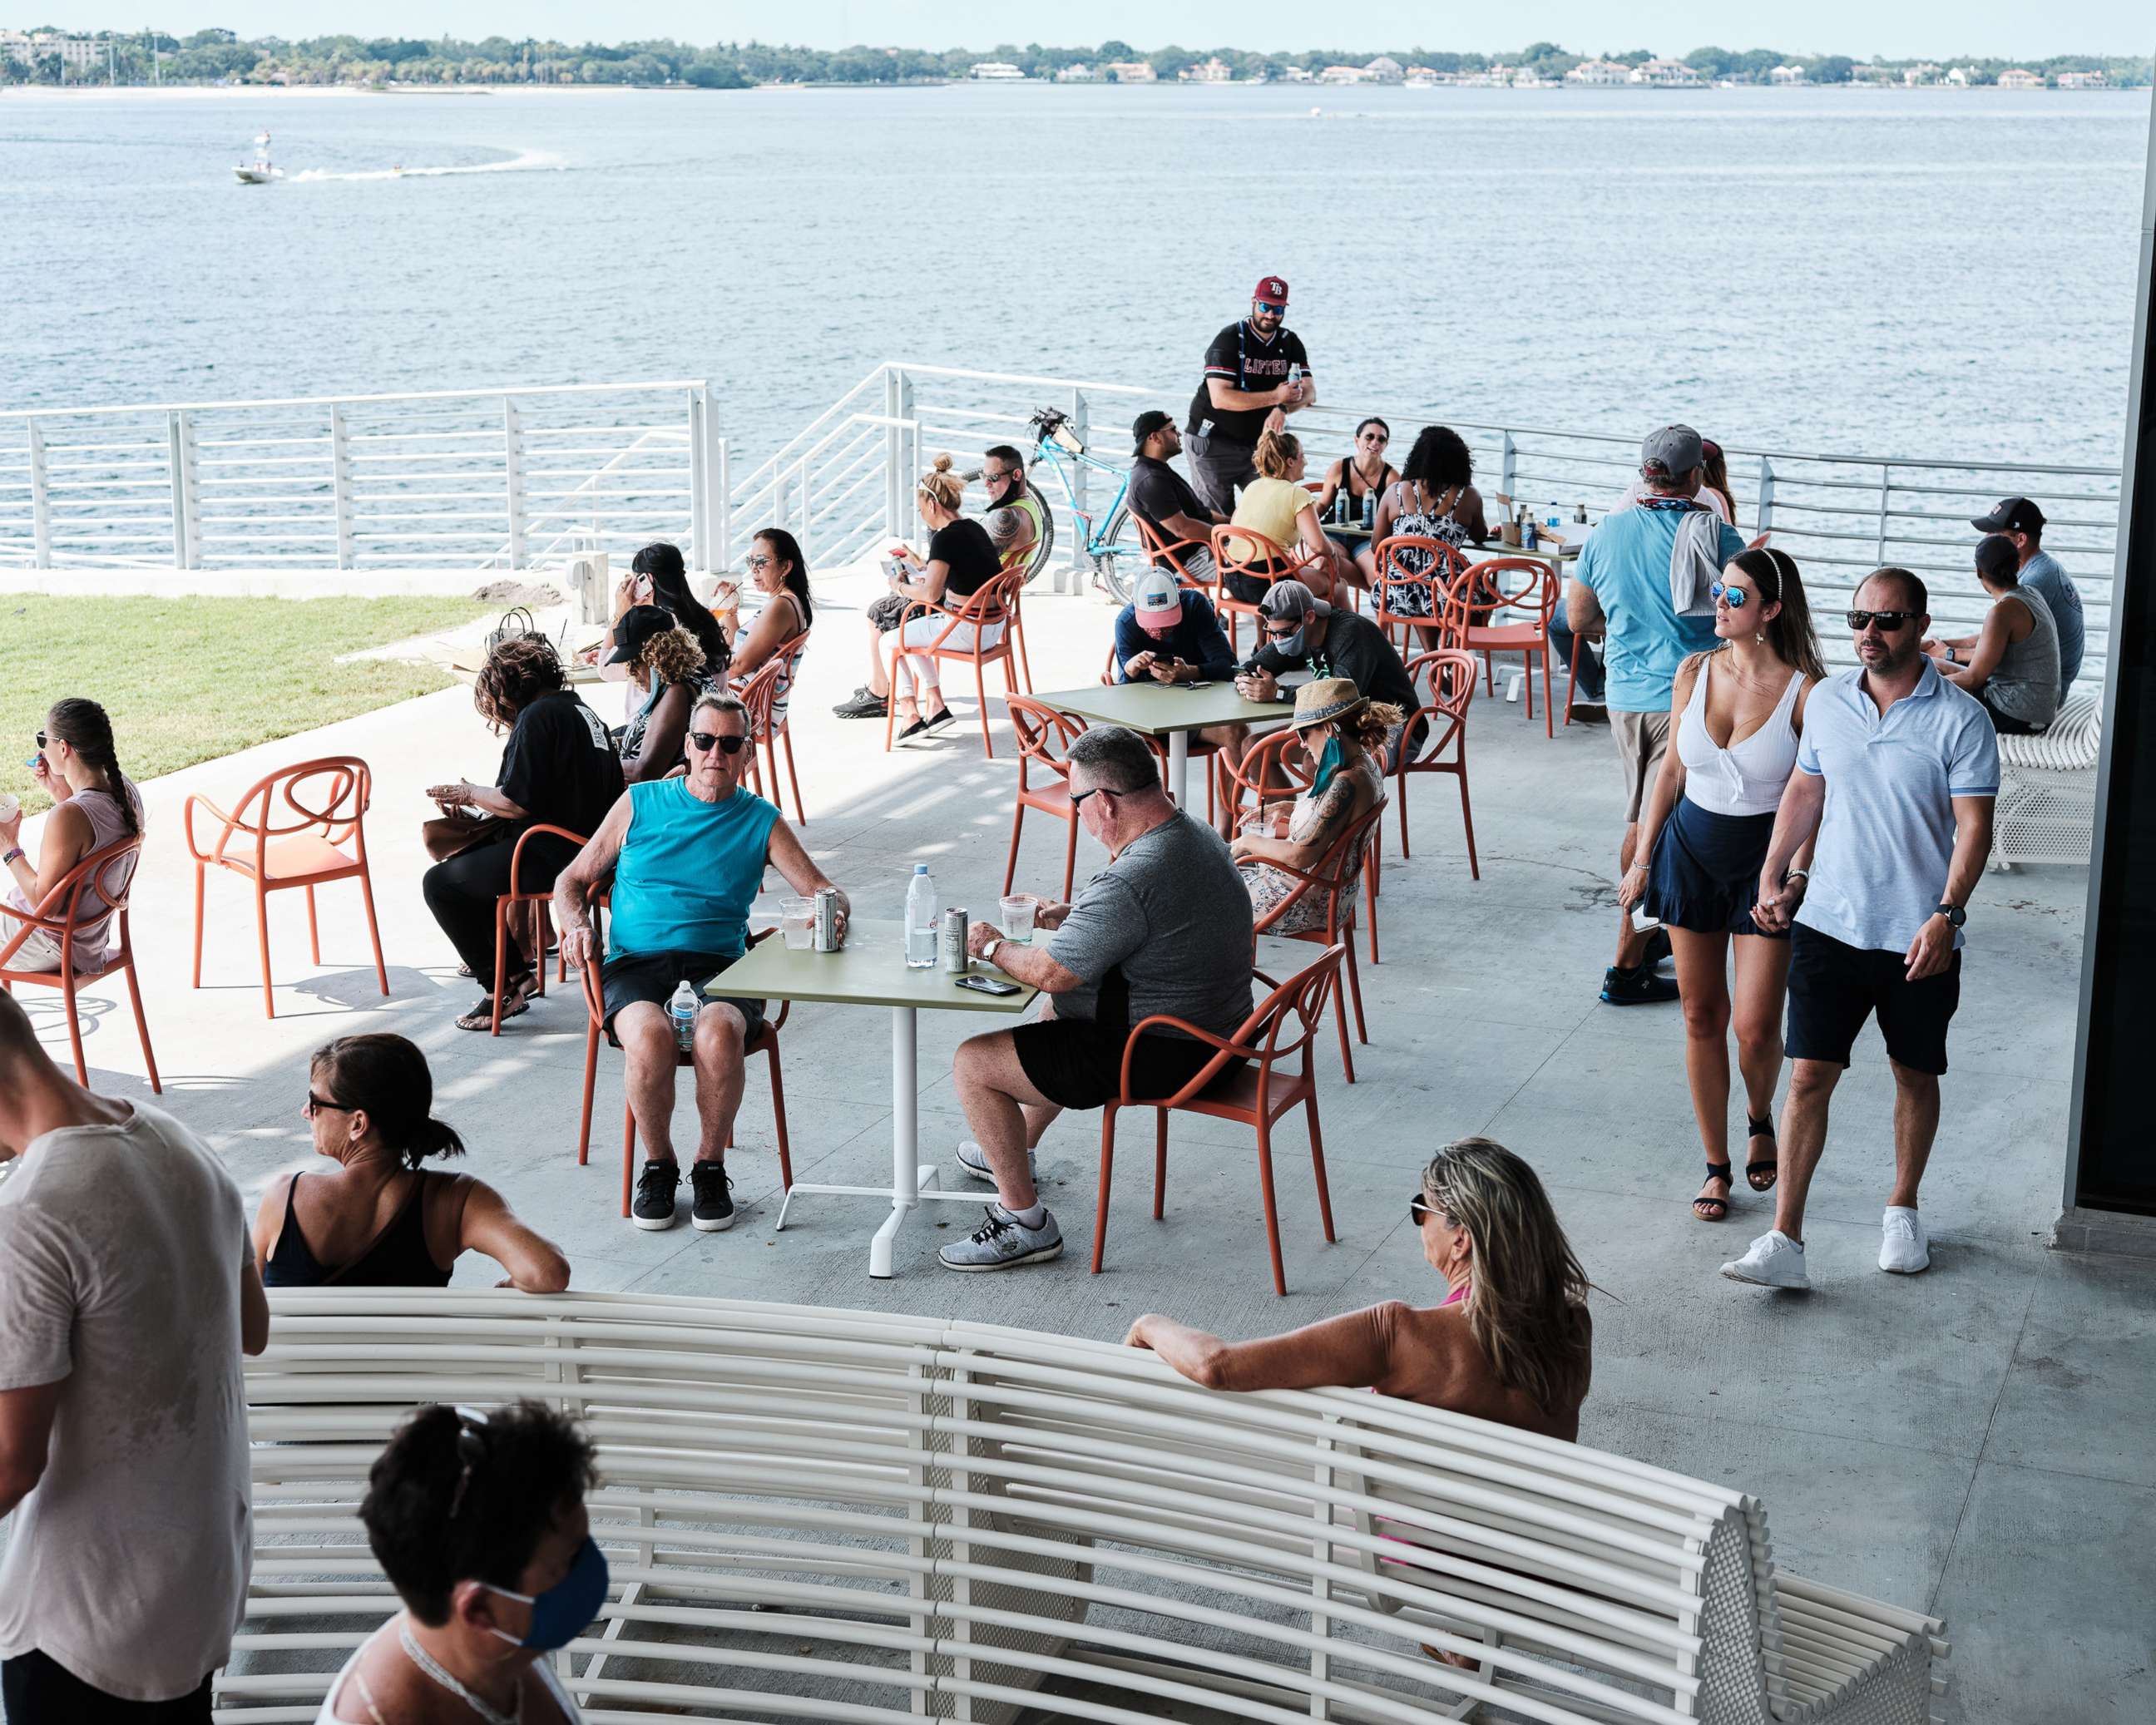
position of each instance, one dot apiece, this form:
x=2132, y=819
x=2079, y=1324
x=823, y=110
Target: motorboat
x=259, y=172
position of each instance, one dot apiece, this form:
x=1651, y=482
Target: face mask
x=559, y=1615
x=1328, y=763
x=1290, y=646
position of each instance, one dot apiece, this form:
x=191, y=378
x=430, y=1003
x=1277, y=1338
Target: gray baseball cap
x=1672, y=450
x=1290, y=601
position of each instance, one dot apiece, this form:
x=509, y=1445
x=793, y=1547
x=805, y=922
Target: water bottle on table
x=681, y=1010
x=921, y=920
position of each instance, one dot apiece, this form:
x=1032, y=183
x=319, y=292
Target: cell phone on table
x=986, y=985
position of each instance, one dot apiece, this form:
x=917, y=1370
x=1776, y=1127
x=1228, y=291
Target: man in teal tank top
x=687, y=856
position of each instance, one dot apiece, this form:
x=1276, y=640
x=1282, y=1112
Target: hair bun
x=942, y=463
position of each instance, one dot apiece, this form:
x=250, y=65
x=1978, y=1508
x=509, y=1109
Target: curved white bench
x=2046, y=807
x=837, y=1516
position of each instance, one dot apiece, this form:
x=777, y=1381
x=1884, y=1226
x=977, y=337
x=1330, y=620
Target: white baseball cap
x=1155, y=599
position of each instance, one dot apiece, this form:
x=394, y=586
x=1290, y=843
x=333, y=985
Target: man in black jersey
x=1246, y=390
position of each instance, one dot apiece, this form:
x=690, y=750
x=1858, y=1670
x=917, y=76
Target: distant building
x=1294, y=75
x=1132, y=72
x=2083, y=80
x=1598, y=72
x=15, y=46
x=1923, y=72
x=1788, y=75
x=1961, y=77
x=1075, y=75
x=1527, y=78
x=1343, y=75
x=1865, y=74
x=994, y=71
x=1384, y=70
x=2019, y=79
x=1215, y=70
x=1672, y=75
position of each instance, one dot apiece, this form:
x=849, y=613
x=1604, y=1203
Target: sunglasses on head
x=471, y=1450
x=1734, y=597
x=1889, y=622
x=724, y=745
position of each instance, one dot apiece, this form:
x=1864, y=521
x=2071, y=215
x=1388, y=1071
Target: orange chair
x=1452, y=676
x=1497, y=584
x=502, y=904
x=1260, y=560
x=1580, y=643
x=1165, y=553
x=1044, y=737
x=1256, y=1094
x=1018, y=563
x=328, y=800
x=1333, y=876
x=60, y=915
x=1415, y=580
x=760, y=696
x=987, y=605
x=764, y=1042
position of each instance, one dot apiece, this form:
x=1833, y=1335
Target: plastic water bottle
x=1555, y=518
x=921, y=920
x=1295, y=374
x=682, y=1010
x=1370, y=510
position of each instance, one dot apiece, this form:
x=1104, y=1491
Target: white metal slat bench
x=840, y=1516
x=2046, y=807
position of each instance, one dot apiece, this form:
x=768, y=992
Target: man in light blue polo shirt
x=1896, y=773
x=1625, y=583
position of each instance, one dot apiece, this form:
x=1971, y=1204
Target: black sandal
x=1700, y=1205
x=1762, y=1125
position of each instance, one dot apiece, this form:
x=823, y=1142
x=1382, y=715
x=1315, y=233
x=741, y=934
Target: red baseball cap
x=1272, y=288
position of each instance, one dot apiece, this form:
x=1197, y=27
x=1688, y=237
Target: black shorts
x=654, y=976
x=1076, y=1063
x=1835, y=987
x=1251, y=589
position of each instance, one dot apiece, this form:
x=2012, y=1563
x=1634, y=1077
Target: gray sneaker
x=1002, y=1243
x=974, y=1160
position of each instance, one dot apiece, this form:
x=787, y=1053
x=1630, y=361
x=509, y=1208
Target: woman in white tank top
x=1703, y=839
x=94, y=806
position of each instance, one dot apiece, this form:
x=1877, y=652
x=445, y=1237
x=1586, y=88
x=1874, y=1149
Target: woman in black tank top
x=378, y=1219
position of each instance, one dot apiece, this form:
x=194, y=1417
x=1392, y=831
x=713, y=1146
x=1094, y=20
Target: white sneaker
x=974, y=1160
x=1774, y=1260
x=1902, y=1247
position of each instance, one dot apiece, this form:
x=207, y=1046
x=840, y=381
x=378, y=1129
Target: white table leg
x=904, y=1136
x=1178, y=768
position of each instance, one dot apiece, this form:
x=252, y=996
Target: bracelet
x=1790, y=875
x=9, y=861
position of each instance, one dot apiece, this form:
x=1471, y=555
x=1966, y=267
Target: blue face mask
x=559, y=1615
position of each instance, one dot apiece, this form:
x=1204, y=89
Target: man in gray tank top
x=2012, y=663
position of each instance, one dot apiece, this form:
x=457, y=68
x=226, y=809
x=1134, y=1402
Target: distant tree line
x=219, y=56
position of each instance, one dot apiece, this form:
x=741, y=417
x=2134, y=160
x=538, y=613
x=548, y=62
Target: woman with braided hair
x=93, y=805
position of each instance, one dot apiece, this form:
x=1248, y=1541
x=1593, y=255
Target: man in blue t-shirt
x=2041, y=573
x=1170, y=634
x=1629, y=573
x=685, y=855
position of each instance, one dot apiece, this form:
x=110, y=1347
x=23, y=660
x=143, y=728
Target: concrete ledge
x=265, y=583
x=2113, y=1231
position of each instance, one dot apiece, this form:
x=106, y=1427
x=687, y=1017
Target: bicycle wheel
x=1118, y=558
x=1044, y=547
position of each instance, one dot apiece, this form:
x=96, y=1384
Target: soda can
x=827, y=919
x=951, y=947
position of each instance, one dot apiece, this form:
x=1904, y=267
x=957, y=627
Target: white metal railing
x=845, y=480
x=502, y=478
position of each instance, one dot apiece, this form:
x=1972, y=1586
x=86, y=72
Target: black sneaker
x=919, y=727
x=711, y=1207
x=1636, y=988
x=655, y=1187
x=863, y=706
x=1658, y=948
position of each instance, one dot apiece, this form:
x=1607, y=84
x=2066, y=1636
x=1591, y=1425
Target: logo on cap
x=1271, y=287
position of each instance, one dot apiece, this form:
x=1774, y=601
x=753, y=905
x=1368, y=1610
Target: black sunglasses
x=757, y=560
x=321, y=1105
x=1889, y=622
x=1419, y=1207
x=41, y=739
x=471, y=1450
x=1282, y=631
x=1096, y=790
x=724, y=745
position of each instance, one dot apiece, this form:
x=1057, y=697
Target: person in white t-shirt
x=130, y=1291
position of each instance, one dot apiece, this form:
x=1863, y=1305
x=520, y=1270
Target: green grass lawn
x=189, y=680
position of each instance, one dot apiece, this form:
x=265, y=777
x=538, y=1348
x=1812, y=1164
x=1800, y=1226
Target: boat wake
x=526, y=162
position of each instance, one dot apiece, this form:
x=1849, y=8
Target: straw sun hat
x=1326, y=701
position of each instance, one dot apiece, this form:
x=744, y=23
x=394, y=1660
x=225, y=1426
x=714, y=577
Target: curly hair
x=1372, y=723
x=672, y=656
x=1440, y=460
x=516, y=673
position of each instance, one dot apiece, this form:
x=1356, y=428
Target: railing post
x=723, y=509
x=699, y=520
x=808, y=492
x=512, y=462
x=340, y=484
x=1886, y=482
x=1081, y=427
x=1765, y=522
x=894, y=452
x=1508, y=468
x=179, y=459
x=41, y=507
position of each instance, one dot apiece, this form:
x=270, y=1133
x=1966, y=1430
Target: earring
x=1758, y=636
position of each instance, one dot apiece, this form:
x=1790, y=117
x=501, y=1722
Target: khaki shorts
x=1641, y=738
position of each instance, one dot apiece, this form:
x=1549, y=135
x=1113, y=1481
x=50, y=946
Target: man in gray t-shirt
x=1165, y=928
x=130, y=1291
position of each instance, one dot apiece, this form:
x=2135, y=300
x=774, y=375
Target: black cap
x=2015, y=515
x=638, y=624
x=1148, y=422
x=1998, y=561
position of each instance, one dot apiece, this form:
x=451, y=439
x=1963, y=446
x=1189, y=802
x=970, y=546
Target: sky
x=1857, y=28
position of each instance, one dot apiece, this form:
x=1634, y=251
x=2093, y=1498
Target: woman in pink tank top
x=94, y=806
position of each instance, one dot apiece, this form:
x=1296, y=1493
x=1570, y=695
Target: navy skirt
x=1704, y=874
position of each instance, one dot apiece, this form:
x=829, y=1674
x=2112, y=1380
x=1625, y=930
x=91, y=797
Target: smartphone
x=1200, y=684
x=986, y=985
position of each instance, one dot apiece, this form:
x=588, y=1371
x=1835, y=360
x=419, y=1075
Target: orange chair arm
x=1206, y=1074
x=224, y=837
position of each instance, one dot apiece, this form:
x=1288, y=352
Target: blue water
x=1923, y=272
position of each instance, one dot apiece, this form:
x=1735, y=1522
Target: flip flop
x=1762, y=1125
x=1720, y=1206
x=518, y=991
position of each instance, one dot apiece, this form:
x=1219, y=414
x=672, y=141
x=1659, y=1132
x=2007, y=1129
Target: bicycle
x=1114, y=548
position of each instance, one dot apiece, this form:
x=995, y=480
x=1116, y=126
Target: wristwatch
x=989, y=952
x=1954, y=914
x=1951, y=660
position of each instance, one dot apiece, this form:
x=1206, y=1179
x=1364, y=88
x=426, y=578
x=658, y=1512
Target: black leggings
x=39, y=1691
x=461, y=893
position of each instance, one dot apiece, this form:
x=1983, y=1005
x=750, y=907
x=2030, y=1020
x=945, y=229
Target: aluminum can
x=827, y=919
x=951, y=947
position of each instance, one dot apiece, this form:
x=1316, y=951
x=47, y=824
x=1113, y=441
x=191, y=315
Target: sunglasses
x=471, y=1450
x=1419, y=1207
x=319, y=1104
x=994, y=478
x=1734, y=597
x=1097, y=790
x=724, y=745
x=41, y=739
x=1376, y=437
x=757, y=560
x=1282, y=631
x=1267, y=305
x=1889, y=622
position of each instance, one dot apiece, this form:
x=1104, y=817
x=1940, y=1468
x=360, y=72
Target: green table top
x=1161, y=710
x=870, y=970
x=1542, y=553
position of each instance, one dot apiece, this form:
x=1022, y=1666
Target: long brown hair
x=84, y=726
x=1528, y=1285
x=1790, y=635
x=1276, y=453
